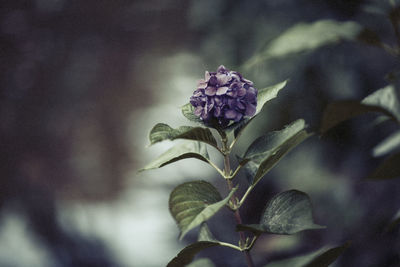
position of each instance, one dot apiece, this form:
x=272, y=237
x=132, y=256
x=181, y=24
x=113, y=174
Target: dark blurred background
x=83, y=81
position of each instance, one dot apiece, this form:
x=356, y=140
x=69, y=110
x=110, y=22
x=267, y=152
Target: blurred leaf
x=187, y=111
x=383, y=100
x=328, y=257
x=388, y=169
x=320, y=258
x=286, y=213
x=162, y=131
x=205, y=234
x=340, y=111
x=307, y=36
x=187, y=254
x=388, y=145
x=264, y=95
x=204, y=262
x=195, y=202
x=395, y=221
x=268, y=150
x=181, y=151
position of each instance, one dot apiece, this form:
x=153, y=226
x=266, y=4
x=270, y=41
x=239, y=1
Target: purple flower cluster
x=224, y=96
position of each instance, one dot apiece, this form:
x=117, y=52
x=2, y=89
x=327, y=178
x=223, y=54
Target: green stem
x=253, y=241
x=245, y=195
x=235, y=172
x=233, y=142
x=227, y=169
x=229, y=245
x=218, y=169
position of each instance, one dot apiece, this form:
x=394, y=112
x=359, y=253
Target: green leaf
x=187, y=111
x=266, y=151
x=250, y=168
x=390, y=144
x=395, y=221
x=383, y=100
x=264, y=95
x=307, y=36
x=186, y=255
x=320, y=258
x=205, y=234
x=388, y=169
x=340, y=111
x=286, y=213
x=269, y=162
x=263, y=145
x=328, y=257
x=162, y=131
x=195, y=202
x=181, y=151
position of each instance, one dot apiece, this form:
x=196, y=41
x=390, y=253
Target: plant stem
x=235, y=172
x=227, y=169
x=245, y=195
x=230, y=246
x=217, y=169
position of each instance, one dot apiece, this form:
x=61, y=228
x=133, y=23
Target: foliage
x=193, y=203
x=320, y=258
x=384, y=102
x=306, y=37
x=286, y=213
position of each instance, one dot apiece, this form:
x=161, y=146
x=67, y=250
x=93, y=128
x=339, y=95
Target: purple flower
x=224, y=97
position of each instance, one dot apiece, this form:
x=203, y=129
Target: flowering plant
x=227, y=102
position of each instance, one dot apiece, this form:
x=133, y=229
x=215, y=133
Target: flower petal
x=232, y=93
x=223, y=78
x=202, y=84
x=247, y=81
x=222, y=69
x=241, y=91
x=210, y=91
x=236, y=76
x=209, y=106
x=207, y=76
x=217, y=111
x=213, y=80
x=230, y=114
x=239, y=116
x=250, y=110
x=222, y=90
x=251, y=94
x=240, y=105
x=198, y=110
